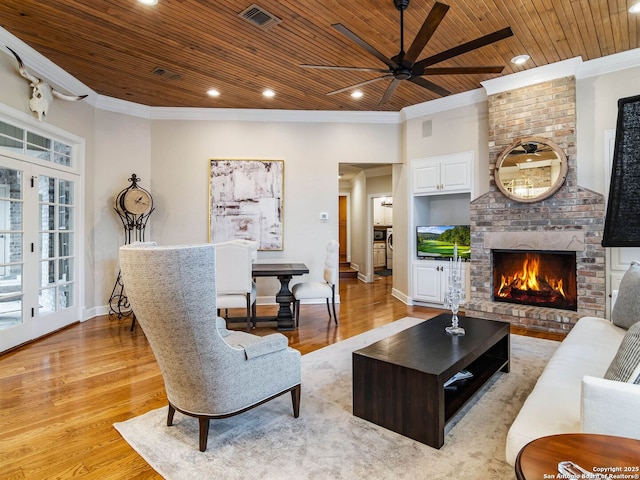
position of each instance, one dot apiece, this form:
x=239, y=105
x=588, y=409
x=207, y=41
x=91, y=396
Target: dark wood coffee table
x=595, y=454
x=398, y=382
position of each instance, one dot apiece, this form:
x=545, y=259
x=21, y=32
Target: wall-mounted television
x=438, y=241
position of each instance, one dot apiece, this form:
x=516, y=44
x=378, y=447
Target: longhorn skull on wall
x=43, y=93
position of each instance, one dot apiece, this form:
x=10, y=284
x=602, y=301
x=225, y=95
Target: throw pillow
x=635, y=376
x=625, y=364
x=626, y=310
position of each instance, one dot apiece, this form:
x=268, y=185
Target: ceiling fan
x=404, y=66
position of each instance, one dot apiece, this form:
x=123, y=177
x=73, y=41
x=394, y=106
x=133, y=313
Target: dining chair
x=234, y=281
x=326, y=289
x=209, y=372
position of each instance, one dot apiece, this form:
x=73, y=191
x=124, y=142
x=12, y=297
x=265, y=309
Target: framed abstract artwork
x=246, y=201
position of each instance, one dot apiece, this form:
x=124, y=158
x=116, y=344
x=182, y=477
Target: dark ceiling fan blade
x=354, y=38
x=431, y=23
x=390, y=89
x=462, y=70
x=367, y=82
x=430, y=86
x=418, y=67
x=338, y=67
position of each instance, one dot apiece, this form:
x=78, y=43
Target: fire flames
x=527, y=281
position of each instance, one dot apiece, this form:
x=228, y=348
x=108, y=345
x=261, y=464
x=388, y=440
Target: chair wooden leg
x=204, y=433
x=333, y=303
x=248, y=313
x=172, y=411
x=328, y=309
x=253, y=313
x=295, y=399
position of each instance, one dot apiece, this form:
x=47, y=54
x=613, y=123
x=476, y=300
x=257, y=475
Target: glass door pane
x=56, y=204
x=11, y=248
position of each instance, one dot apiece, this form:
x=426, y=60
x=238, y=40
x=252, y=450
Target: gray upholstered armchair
x=209, y=372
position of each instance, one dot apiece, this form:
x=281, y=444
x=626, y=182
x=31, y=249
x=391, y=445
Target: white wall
x=122, y=147
x=597, y=111
x=180, y=153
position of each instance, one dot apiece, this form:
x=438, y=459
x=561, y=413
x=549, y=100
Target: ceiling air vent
x=168, y=74
x=259, y=17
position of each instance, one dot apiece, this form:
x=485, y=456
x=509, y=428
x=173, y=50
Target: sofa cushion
x=626, y=310
x=625, y=364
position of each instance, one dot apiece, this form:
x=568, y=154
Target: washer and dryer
x=390, y=248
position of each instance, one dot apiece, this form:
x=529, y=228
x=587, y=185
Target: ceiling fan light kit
x=405, y=66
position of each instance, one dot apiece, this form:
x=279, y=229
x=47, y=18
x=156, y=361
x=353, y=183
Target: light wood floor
x=60, y=395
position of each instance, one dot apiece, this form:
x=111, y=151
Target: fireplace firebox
x=538, y=278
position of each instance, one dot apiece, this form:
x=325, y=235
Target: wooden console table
x=604, y=455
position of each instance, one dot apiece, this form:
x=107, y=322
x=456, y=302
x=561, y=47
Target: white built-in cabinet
x=382, y=215
x=379, y=255
x=430, y=280
x=443, y=174
x=441, y=188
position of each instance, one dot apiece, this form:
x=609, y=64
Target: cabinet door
x=388, y=215
x=456, y=175
x=427, y=284
x=426, y=176
x=378, y=212
x=445, y=174
x=379, y=256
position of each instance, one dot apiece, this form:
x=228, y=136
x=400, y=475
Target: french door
x=39, y=268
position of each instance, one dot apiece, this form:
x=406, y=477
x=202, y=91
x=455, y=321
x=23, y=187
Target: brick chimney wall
x=545, y=110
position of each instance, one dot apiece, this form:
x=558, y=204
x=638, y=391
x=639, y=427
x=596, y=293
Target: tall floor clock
x=133, y=205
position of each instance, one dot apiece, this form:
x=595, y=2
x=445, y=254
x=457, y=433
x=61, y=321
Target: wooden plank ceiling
x=114, y=46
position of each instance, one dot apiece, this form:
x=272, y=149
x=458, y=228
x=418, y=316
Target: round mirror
x=531, y=169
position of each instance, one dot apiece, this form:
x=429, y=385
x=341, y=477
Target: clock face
x=136, y=201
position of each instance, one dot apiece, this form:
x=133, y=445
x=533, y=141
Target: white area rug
x=328, y=442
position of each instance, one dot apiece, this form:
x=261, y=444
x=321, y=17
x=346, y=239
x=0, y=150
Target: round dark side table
x=583, y=454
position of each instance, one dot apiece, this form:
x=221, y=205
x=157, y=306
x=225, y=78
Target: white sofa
x=572, y=396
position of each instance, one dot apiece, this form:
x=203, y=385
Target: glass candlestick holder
x=454, y=296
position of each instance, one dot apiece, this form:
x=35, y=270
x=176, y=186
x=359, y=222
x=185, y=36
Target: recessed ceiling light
x=635, y=8
x=357, y=94
x=148, y=2
x=520, y=59
x=213, y=92
x=269, y=93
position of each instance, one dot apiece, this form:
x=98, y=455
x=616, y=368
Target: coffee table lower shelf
x=398, y=383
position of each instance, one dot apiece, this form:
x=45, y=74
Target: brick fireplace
x=571, y=220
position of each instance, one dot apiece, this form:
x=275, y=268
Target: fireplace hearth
x=537, y=278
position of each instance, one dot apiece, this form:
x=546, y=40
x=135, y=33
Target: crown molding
x=545, y=73
x=260, y=115
x=116, y=105
x=446, y=103
x=42, y=67
x=609, y=64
